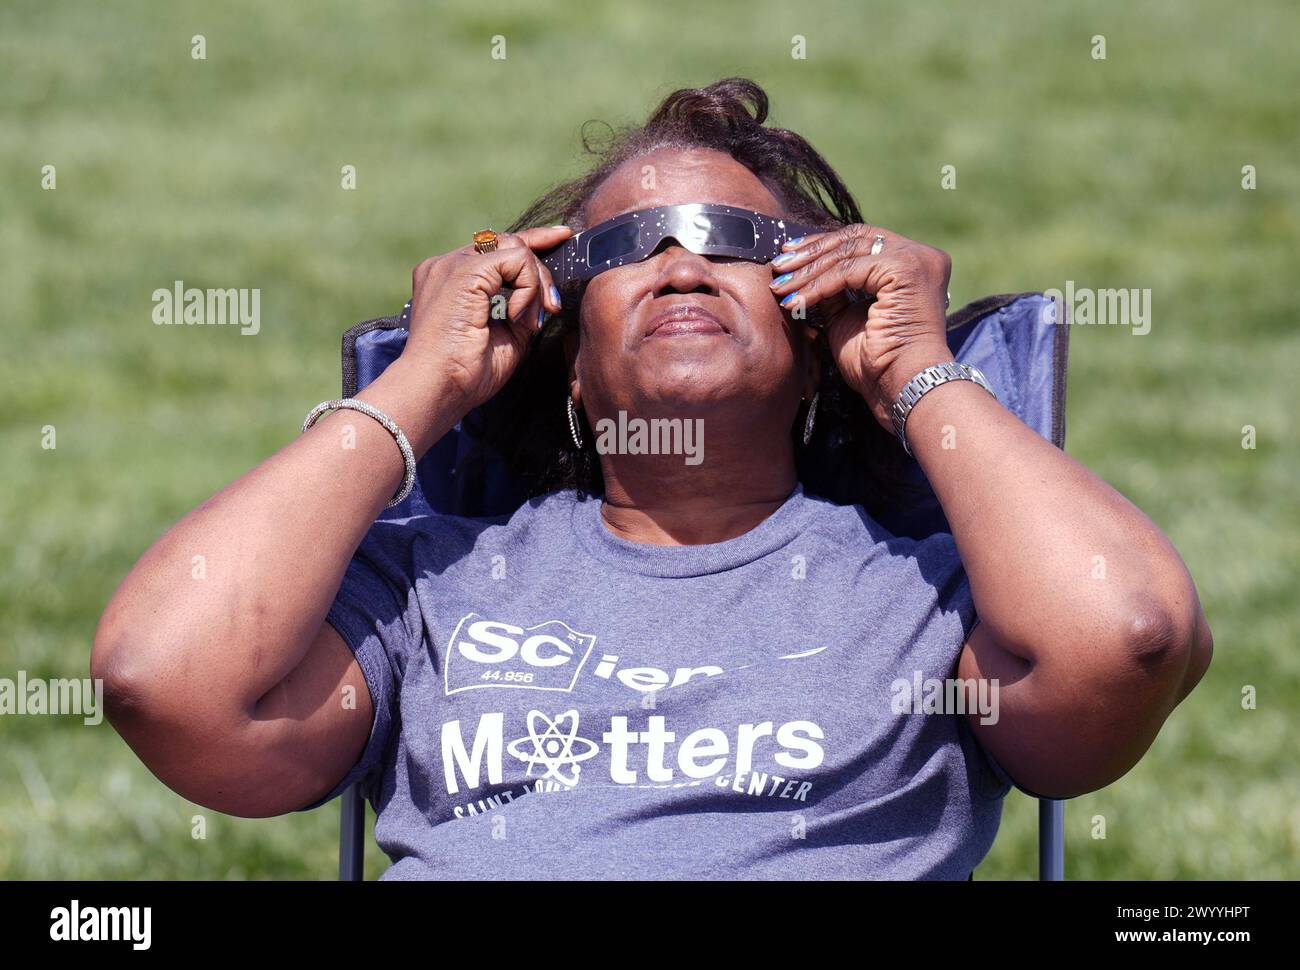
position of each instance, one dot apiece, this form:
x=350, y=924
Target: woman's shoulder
x=837, y=518
x=901, y=574
x=853, y=527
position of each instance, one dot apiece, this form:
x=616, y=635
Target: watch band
x=927, y=381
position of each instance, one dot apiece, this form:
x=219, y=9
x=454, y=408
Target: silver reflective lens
x=703, y=228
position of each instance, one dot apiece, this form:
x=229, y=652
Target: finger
x=798, y=241
x=552, y=291
x=796, y=268
x=849, y=250
x=814, y=246
x=511, y=269
x=827, y=281
x=518, y=330
x=801, y=242
x=544, y=237
x=538, y=237
x=789, y=266
x=541, y=237
x=535, y=294
x=828, y=276
x=549, y=298
x=528, y=303
x=423, y=268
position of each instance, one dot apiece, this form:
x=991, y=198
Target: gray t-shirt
x=555, y=702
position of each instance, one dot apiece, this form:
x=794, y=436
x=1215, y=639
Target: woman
x=659, y=668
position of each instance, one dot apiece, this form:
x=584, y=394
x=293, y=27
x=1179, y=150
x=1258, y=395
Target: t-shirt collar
x=777, y=530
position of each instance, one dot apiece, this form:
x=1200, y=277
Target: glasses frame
x=571, y=259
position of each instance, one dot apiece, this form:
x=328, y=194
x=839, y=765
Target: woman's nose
x=683, y=271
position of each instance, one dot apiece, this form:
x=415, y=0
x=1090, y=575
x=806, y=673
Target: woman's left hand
x=881, y=344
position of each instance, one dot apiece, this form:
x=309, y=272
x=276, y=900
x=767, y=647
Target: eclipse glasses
x=703, y=228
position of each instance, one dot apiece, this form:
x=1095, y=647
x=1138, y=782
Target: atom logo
x=554, y=747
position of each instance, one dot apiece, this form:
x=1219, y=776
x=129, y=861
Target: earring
x=573, y=423
x=812, y=416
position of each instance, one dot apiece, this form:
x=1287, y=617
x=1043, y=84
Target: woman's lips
x=683, y=320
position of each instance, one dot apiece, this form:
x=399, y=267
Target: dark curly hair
x=850, y=459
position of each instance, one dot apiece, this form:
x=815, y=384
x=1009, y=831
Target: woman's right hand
x=464, y=342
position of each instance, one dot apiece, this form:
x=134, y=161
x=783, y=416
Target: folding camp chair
x=1013, y=339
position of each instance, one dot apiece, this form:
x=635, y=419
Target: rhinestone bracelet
x=408, y=456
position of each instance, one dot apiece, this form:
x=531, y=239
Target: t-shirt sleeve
x=377, y=614
x=939, y=558
x=994, y=781
x=929, y=572
x=976, y=748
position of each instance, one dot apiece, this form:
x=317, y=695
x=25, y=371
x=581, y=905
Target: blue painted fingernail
x=784, y=277
x=555, y=295
x=783, y=258
x=541, y=317
x=795, y=241
x=789, y=298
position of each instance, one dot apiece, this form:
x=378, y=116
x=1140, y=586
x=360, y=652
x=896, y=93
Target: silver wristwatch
x=926, y=381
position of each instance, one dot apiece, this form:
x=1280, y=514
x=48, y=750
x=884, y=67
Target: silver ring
x=947, y=298
x=877, y=246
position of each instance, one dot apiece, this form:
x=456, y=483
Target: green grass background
x=225, y=172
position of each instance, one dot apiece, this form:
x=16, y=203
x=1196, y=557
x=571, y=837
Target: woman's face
x=750, y=358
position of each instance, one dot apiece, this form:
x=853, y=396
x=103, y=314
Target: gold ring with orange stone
x=485, y=241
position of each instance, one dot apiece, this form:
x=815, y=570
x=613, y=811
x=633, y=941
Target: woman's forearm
x=1063, y=569
x=225, y=603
